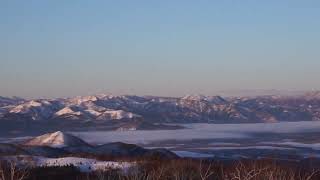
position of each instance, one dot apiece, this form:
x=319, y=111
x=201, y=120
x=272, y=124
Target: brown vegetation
x=10, y=171
x=176, y=169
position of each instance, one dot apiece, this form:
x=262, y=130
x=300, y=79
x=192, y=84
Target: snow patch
x=84, y=164
x=67, y=110
x=116, y=115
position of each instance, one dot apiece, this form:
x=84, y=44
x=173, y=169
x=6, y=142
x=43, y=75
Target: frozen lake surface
x=285, y=139
x=201, y=131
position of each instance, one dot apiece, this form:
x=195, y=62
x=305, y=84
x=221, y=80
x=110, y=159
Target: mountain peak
x=67, y=110
x=57, y=139
x=195, y=97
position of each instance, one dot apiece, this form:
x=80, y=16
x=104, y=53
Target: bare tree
x=243, y=172
x=9, y=170
x=206, y=172
x=310, y=175
x=2, y=171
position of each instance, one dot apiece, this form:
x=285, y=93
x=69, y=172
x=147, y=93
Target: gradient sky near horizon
x=167, y=47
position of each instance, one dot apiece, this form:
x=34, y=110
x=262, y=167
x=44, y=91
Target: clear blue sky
x=167, y=47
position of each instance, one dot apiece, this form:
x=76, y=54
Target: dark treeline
x=176, y=169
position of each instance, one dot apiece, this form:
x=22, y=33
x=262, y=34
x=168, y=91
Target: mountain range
x=129, y=112
x=62, y=144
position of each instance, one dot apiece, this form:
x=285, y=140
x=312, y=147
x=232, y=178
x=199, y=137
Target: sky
x=168, y=47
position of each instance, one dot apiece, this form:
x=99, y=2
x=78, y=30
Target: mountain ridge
x=114, y=112
x=59, y=144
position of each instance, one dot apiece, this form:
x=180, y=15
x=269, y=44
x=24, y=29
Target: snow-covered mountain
x=6, y=101
x=36, y=109
x=110, y=110
x=68, y=111
x=81, y=108
x=56, y=139
x=116, y=115
x=313, y=95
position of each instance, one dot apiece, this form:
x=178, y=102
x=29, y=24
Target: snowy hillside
x=56, y=139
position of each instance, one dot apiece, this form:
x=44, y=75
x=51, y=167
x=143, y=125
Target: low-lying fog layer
x=201, y=131
x=219, y=140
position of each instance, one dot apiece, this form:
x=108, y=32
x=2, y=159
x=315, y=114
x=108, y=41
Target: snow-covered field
x=84, y=164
